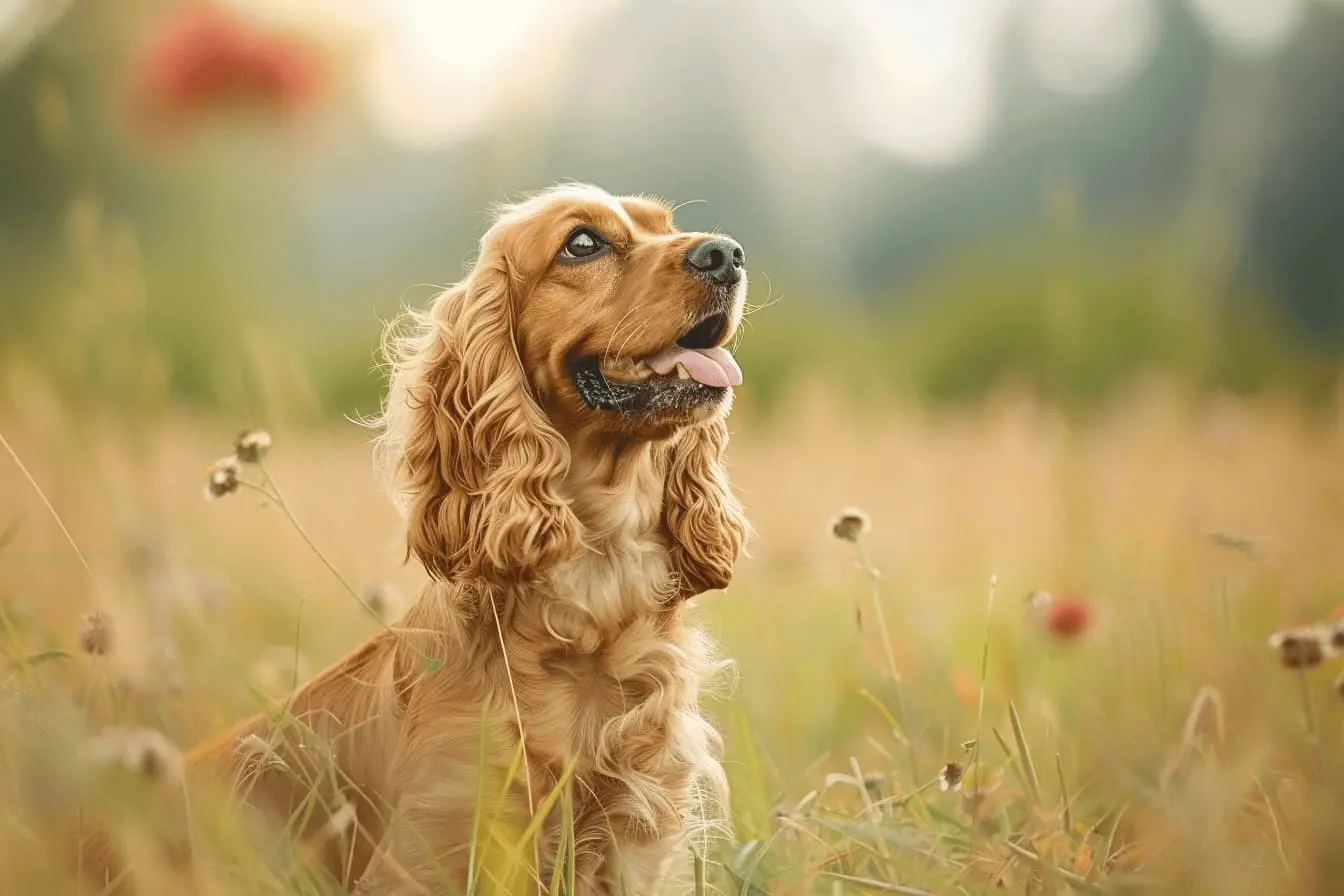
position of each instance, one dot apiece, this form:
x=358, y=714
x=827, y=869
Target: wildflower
x=223, y=478
x=205, y=58
x=950, y=777
x=1067, y=617
x=142, y=752
x=95, y=633
x=1302, y=648
x=251, y=446
x=851, y=525
x=382, y=598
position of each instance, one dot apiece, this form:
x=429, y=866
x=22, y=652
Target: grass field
x=1132, y=731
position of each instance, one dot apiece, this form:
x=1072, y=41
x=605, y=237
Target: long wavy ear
x=700, y=512
x=474, y=458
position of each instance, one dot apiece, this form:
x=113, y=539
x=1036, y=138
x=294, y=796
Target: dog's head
x=588, y=323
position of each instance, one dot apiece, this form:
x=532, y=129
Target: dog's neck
x=625, y=571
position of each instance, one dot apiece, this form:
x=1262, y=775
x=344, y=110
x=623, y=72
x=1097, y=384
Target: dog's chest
x=624, y=721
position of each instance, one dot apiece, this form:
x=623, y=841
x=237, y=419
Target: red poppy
x=203, y=58
x=1067, y=617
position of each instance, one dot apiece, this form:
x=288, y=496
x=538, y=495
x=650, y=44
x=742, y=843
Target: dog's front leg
x=637, y=869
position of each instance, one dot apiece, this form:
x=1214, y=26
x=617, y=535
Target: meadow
x=1039, y=664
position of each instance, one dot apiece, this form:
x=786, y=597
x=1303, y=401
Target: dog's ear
x=475, y=458
x=704, y=519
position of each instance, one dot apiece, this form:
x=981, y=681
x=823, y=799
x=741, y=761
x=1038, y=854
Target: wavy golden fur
x=565, y=498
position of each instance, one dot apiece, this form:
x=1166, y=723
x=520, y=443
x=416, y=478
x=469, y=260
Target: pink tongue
x=711, y=366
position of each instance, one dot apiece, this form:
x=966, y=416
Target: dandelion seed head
x=259, y=753
x=342, y=819
x=223, y=478
x=1302, y=648
x=95, y=633
x=141, y=752
x=251, y=446
x=851, y=524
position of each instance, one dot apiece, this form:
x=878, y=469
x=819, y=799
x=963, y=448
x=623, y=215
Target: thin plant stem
x=271, y=490
x=1067, y=819
x=1024, y=753
x=79, y=818
x=32, y=480
x=1308, y=710
x=984, y=675
x=874, y=579
x=875, y=591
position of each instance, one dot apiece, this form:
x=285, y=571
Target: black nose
x=719, y=258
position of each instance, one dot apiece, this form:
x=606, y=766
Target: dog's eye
x=582, y=245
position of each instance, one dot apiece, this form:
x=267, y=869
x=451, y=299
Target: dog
x=554, y=433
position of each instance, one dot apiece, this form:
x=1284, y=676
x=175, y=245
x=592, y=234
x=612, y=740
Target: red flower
x=1067, y=617
x=204, y=58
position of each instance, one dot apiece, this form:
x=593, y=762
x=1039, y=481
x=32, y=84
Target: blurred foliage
x=1073, y=323
x=212, y=271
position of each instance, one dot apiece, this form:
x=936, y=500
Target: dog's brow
x=612, y=222
x=649, y=215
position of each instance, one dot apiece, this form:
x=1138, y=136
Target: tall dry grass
x=1161, y=748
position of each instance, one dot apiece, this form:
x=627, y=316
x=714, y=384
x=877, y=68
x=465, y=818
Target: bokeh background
x=1052, y=290
x=936, y=197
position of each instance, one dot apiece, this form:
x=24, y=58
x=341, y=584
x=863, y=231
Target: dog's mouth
x=696, y=368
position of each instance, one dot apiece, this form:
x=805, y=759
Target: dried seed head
x=141, y=752
x=342, y=820
x=851, y=524
x=382, y=598
x=251, y=446
x=95, y=633
x=223, y=478
x=259, y=754
x=1302, y=648
x=950, y=777
x=1337, y=636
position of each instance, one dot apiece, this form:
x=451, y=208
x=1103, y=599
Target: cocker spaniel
x=554, y=432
